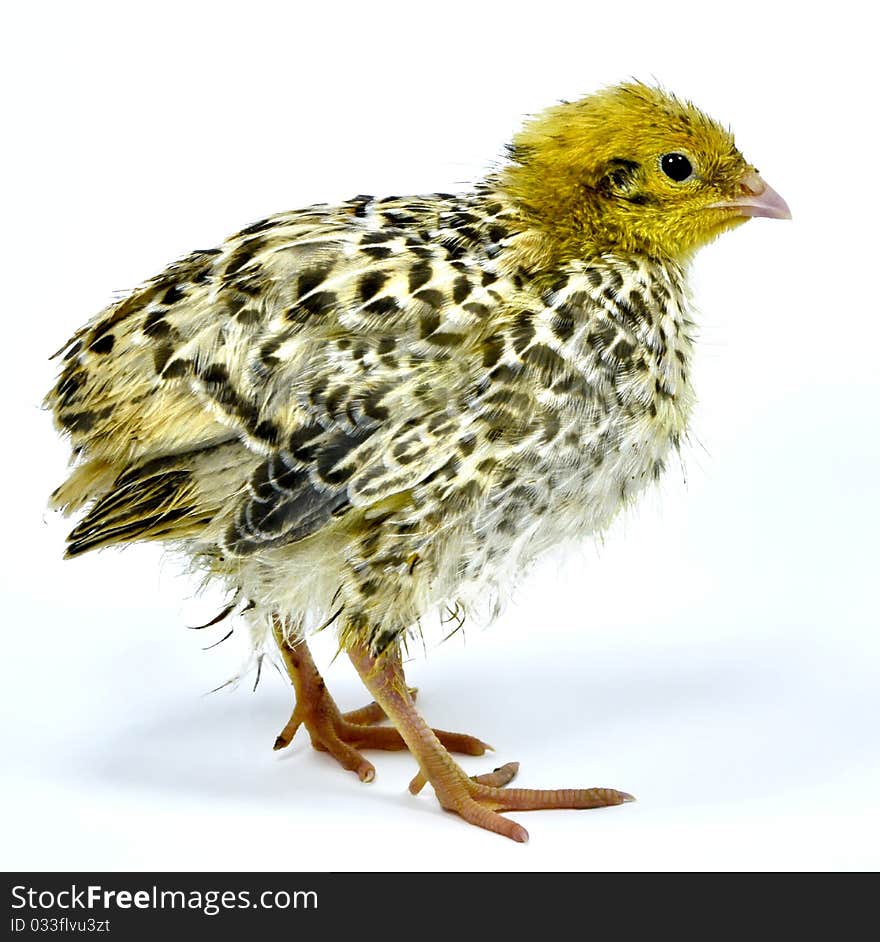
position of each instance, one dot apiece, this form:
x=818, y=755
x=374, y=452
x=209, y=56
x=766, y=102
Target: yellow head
x=632, y=169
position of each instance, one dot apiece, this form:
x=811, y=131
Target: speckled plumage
x=380, y=387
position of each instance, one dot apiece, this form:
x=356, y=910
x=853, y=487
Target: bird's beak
x=756, y=199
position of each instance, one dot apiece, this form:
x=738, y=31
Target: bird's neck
x=548, y=237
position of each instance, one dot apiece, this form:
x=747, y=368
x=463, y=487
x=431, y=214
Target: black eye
x=676, y=166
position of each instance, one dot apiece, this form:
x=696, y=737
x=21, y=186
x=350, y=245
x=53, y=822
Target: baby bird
x=357, y=415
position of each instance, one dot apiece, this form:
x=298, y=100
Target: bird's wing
x=339, y=346
x=359, y=387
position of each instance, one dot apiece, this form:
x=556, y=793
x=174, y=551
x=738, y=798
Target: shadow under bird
x=358, y=415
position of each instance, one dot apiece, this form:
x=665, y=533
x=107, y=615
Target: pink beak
x=757, y=199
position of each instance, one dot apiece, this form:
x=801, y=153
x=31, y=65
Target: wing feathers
x=324, y=341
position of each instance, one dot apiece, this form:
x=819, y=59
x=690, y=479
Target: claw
x=499, y=777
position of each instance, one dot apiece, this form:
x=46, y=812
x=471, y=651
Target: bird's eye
x=676, y=166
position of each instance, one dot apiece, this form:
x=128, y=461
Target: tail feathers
x=159, y=506
x=173, y=497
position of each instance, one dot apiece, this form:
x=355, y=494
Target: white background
x=718, y=656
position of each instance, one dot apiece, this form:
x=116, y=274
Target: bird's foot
x=479, y=800
x=343, y=735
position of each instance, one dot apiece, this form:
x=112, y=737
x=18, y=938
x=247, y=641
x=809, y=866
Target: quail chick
x=359, y=414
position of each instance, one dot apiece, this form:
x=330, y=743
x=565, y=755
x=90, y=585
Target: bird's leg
x=344, y=734
x=478, y=799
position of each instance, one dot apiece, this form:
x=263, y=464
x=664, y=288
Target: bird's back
x=317, y=330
